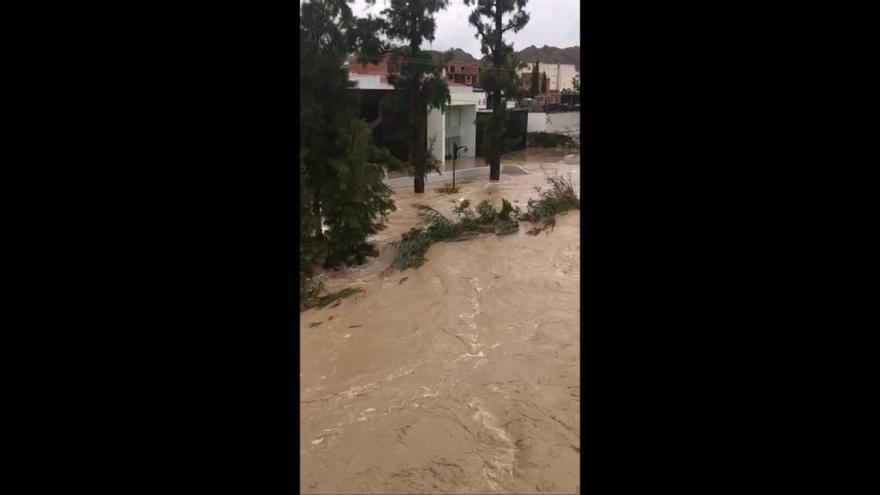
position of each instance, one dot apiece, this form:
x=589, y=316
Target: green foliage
x=358, y=205
x=309, y=291
x=310, y=294
x=411, y=249
x=436, y=227
x=329, y=298
x=535, y=83
x=550, y=140
x=501, y=76
x=341, y=170
x=558, y=199
x=418, y=73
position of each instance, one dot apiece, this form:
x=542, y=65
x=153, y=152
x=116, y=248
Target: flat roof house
x=457, y=125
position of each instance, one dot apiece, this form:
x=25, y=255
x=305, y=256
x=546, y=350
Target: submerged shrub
x=550, y=140
x=436, y=227
x=558, y=199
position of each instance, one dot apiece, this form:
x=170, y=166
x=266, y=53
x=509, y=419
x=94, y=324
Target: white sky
x=552, y=22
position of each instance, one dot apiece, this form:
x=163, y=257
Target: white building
x=559, y=75
x=457, y=125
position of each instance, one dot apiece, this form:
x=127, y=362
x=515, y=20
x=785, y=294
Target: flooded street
x=460, y=376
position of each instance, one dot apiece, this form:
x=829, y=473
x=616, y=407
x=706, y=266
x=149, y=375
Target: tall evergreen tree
x=535, y=86
x=502, y=74
x=412, y=70
x=345, y=197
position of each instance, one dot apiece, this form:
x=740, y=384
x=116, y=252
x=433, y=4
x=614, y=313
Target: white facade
x=458, y=125
x=364, y=81
x=559, y=76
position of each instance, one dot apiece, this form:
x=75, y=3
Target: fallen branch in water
x=558, y=199
x=436, y=227
x=311, y=298
x=414, y=244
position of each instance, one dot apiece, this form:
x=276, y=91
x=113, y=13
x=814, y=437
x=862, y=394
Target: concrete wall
x=469, y=130
x=563, y=123
x=537, y=122
x=568, y=123
x=437, y=129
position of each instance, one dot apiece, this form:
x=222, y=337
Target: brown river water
x=460, y=376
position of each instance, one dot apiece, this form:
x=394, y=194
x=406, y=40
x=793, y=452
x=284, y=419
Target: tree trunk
x=417, y=109
x=418, y=152
x=495, y=134
x=497, y=104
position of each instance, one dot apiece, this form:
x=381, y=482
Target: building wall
x=368, y=81
x=564, y=123
x=462, y=72
x=537, y=122
x=558, y=75
x=469, y=130
x=437, y=130
x=564, y=74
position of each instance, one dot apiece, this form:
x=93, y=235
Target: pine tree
x=411, y=69
x=502, y=74
x=343, y=199
x=535, y=86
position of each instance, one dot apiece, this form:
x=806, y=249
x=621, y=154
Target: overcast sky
x=552, y=22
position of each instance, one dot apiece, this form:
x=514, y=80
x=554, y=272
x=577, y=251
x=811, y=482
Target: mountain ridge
x=545, y=54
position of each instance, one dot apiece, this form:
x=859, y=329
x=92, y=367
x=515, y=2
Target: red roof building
x=466, y=73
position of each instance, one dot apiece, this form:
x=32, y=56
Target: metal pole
x=454, y=152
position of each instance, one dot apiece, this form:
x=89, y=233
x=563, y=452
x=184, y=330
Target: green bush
x=435, y=227
x=413, y=245
x=550, y=140
x=558, y=199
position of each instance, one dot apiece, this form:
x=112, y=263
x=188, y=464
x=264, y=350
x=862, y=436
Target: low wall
x=568, y=123
x=563, y=123
x=537, y=122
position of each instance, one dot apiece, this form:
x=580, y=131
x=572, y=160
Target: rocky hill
x=546, y=54
x=458, y=55
x=552, y=55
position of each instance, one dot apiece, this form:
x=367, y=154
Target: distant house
x=543, y=82
x=455, y=126
x=559, y=75
x=467, y=73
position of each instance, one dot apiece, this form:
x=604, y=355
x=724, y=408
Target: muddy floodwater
x=460, y=376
